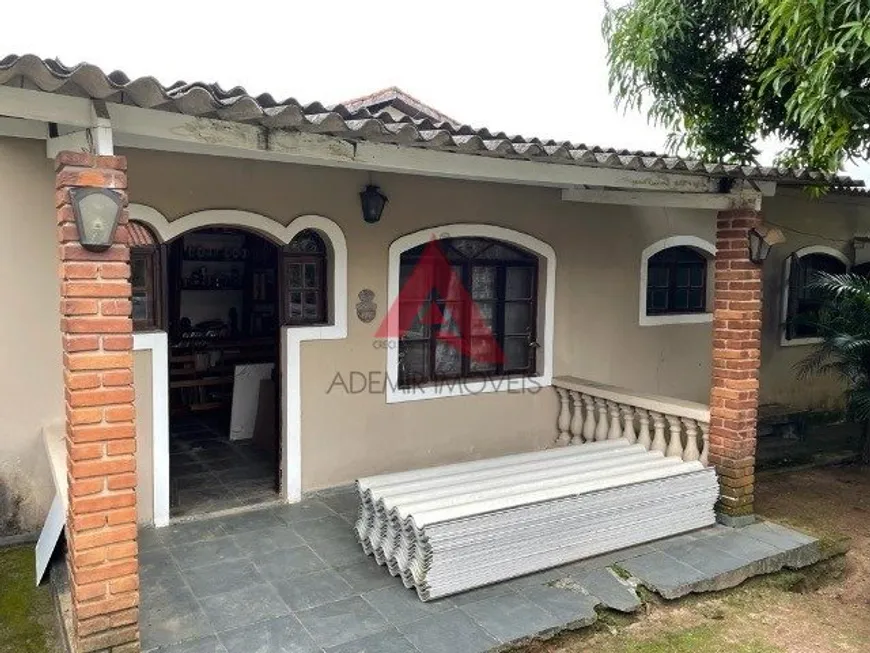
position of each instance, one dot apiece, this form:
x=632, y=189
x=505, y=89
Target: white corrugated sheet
x=448, y=529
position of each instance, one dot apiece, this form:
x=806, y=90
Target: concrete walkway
x=292, y=579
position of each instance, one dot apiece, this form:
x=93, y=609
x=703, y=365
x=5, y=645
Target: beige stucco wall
x=144, y=451
x=31, y=392
x=833, y=223
x=597, y=334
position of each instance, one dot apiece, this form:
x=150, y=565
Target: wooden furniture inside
x=223, y=312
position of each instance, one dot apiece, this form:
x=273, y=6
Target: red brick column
x=98, y=379
x=736, y=361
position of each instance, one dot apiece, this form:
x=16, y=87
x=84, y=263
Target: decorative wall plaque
x=366, y=309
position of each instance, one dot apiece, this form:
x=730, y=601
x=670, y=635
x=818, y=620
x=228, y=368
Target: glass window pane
x=698, y=273
x=658, y=277
x=415, y=280
x=517, y=317
x=141, y=306
x=482, y=315
x=448, y=357
x=516, y=353
x=483, y=282
x=414, y=360
x=295, y=304
x=680, y=300
x=310, y=277
x=451, y=287
x=518, y=284
x=138, y=271
x=696, y=299
x=294, y=275
x=682, y=280
x=451, y=318
x=412, y=320
x=657, y=300
x=484, y=355
x=312, y=308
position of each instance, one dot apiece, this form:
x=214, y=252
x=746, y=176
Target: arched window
x=467, y=309
x=305, y=279
x=146, y=278
x=676, y=282
x=802, y=301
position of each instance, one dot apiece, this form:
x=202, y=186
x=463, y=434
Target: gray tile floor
x=209, y=472
x=292, y=579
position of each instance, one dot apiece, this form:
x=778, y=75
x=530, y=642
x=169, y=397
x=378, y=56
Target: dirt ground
x=825, y=608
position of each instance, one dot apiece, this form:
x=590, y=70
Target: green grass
x=700, y=639
x=26, y=611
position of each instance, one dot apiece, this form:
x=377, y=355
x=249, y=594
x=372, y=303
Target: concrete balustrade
x=590, y=411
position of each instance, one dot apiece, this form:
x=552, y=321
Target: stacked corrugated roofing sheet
x=448, y=529
x=355, y=122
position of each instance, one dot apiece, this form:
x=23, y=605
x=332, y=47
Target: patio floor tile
x=243, y=607
x=609, y=589
x=200, y=554
x=343, y=621
x=366, y=575
x=222, y=577
x=173, y=617
x=285, y=563
x=314, y=589
x=510, y=617
x=400, y=605
x=281, y=635
x=389, y=641
x=266, y=540
x=569, y=606
x=208, y=644
x=298, y=512
x=449, y=632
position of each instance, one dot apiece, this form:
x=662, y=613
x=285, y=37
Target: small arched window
x=467, y=309
x=305, y=279
x=146, y=279
x=803, y=302
x=676, y=282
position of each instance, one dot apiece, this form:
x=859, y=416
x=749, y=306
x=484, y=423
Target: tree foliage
x=844, y=351
x=721, y=73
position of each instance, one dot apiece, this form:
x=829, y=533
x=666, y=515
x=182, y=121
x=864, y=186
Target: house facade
x=243, y=244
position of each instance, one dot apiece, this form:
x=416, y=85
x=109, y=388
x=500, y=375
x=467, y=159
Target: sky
x=531, y=68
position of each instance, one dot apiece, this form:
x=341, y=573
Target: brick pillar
x=736, y=361
x=98, y=382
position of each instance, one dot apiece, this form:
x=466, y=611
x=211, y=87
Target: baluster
x=644, y=437
x=615, y=431
x=576, y=418
x=628, y=423
x=691, y=453
x=589, y=424
x=659, y=443
x=705, y=439
x=564, y=422
x=675, y=443
x=603, y=427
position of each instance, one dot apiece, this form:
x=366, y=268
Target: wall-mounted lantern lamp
x=373, y=203
x=761, y=239
x=97, y=211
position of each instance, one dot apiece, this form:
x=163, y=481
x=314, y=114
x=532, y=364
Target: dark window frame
x=671, y=261
x=500, y=301
x=152, y=258
x=802, y=305
x=319, y=259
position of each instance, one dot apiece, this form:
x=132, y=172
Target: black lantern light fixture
x=97, y=211
x=761, y=239
x=373, y=203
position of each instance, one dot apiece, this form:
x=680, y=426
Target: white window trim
x=292, y=337
x=678, y=318
x=546, y=313
x=786, y=282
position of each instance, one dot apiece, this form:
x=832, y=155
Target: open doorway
x=224, y=316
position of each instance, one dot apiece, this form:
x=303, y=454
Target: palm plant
x=843, y=324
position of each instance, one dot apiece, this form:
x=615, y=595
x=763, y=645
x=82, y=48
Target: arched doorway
x=223, y=315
